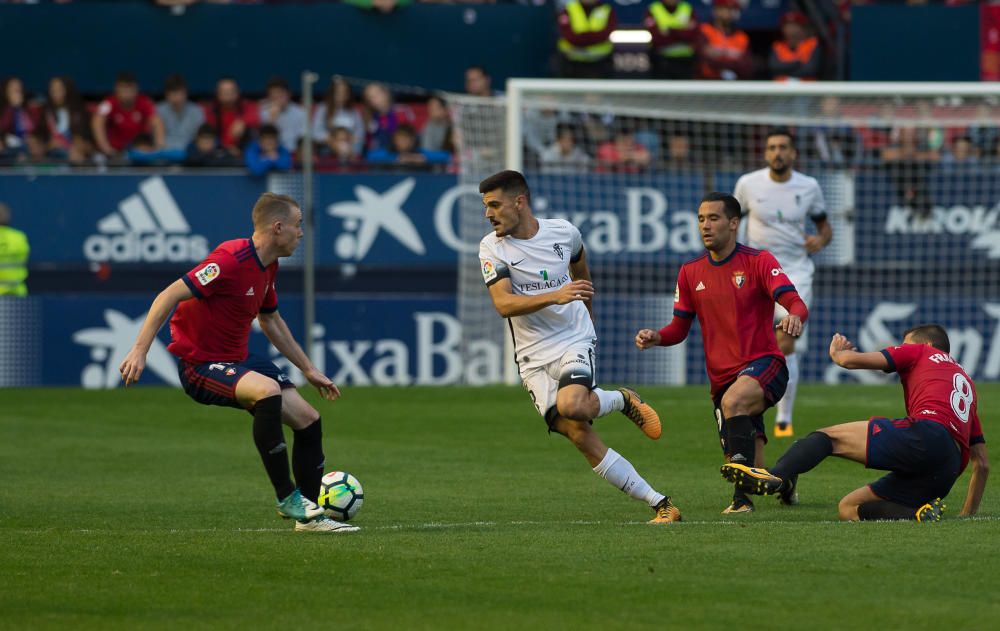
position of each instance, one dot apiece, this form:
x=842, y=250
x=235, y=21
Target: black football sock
x=270, y=441
x=884, y=509
x=740, y=441
x=308, y=460
x=803, y=455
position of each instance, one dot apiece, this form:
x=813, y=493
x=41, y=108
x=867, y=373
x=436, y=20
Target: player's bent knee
x=573, y=407
x=848, y=510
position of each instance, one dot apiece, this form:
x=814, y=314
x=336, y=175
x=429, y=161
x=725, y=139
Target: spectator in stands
x=206, y=150
x=622, y=154
x=963, y=152
x=833, y=143
x=985, y=131
x=123, y=116
x=234, y=117
x=382, y=6
x=564, y=156
x=181, y=118
x=478, y=82
x=675, y=39
x=16, y=118
x=434, y=135
x=797, y=56
x=725, y=50
x=340, y=152
x=678, y=153
x=585, y=48
x=403, y=151
x=37, y=153
x=267, y=153
x=909, y=144
x=66, y=120
x=908, y=159
x=337, y=110
x=381, y=116
x=279, y=110
x=144, y=152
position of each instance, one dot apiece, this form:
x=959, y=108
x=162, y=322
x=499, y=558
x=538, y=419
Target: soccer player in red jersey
x=233, y=286
x=732, y=290
x=924, y=452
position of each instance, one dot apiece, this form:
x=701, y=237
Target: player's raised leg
x=262, y=396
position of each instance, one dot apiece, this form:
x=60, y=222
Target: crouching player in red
x=234, y=286
x=924, y=452
x=732, y=290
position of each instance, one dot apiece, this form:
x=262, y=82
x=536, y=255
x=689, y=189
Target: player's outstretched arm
x=843, y=353
x=274, y=327
x=977, y=483
x=509, y=304
x=135, y=362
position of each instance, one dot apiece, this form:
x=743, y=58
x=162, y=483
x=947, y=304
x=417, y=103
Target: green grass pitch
x=139, y=509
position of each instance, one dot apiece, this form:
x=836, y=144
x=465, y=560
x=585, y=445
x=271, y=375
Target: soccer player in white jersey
x=776, y=201
x=537, y=275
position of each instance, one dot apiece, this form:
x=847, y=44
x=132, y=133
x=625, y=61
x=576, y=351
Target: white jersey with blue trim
x=775, y=215
x=539, y=265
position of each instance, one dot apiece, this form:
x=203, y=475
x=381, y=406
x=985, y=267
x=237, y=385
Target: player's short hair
x=730, y=205
x=4, y=214
x=268, y=130
x=781, y=131
x=509, y=182
x=271, y=207
x=933, y=333
x=126, y=78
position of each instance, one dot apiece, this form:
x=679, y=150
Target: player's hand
x=791, y=324
x=132, y=366
x=576, y=290
x=647, y=338
x=327, y=389
x=814, y=244
x=840, y=343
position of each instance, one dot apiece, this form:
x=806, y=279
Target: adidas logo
x=250, y=292
x=147, y=227
x=700, y=287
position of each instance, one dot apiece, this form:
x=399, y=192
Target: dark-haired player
x=235, y=285
x=924, y=452
x=537, y=275
x=732, y=290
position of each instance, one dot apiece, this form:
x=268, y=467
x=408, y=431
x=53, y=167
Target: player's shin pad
x=740, y=440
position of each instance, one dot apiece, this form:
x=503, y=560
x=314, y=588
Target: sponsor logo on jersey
x=544, y=274
x=207, y=274
x=739, y=278
x=777, y=270
x=147, y=227
x=250, y=292
x=700, y=287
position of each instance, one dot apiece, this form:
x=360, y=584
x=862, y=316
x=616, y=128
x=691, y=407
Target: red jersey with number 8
x=936, y=388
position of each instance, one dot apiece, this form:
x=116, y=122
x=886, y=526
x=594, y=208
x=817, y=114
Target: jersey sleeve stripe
x=194, y=290
x=269, y=309
x=784, y=289
x=818, y=218
x=975, y=440
x=576, y=257
x=501, y=272
x=888, y=358
x=680, y=313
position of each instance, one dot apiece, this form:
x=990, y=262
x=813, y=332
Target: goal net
x=909, y=173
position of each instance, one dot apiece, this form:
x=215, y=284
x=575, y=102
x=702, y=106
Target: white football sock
x=787, y=402
x=623, y=476
x=610, y=400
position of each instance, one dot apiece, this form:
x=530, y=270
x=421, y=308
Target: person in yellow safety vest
x=13, y=257
x=675, y=38
x=585, y=48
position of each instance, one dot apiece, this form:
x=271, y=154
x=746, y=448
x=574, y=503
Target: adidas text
x=152, y=248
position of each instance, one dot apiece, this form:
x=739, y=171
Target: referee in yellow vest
x=585, y=48
x=13, y=257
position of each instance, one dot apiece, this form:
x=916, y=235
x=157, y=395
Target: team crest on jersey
x=558, y=250
x=489, y=272
x=207, y=274
x=739, y=278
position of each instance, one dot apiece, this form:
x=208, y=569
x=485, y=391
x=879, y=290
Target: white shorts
x=542, y=381
x=803, y=281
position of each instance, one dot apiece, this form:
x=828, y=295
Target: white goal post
x=910, y=172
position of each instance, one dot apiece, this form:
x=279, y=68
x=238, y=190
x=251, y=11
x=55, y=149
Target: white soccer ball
x=341, y=495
